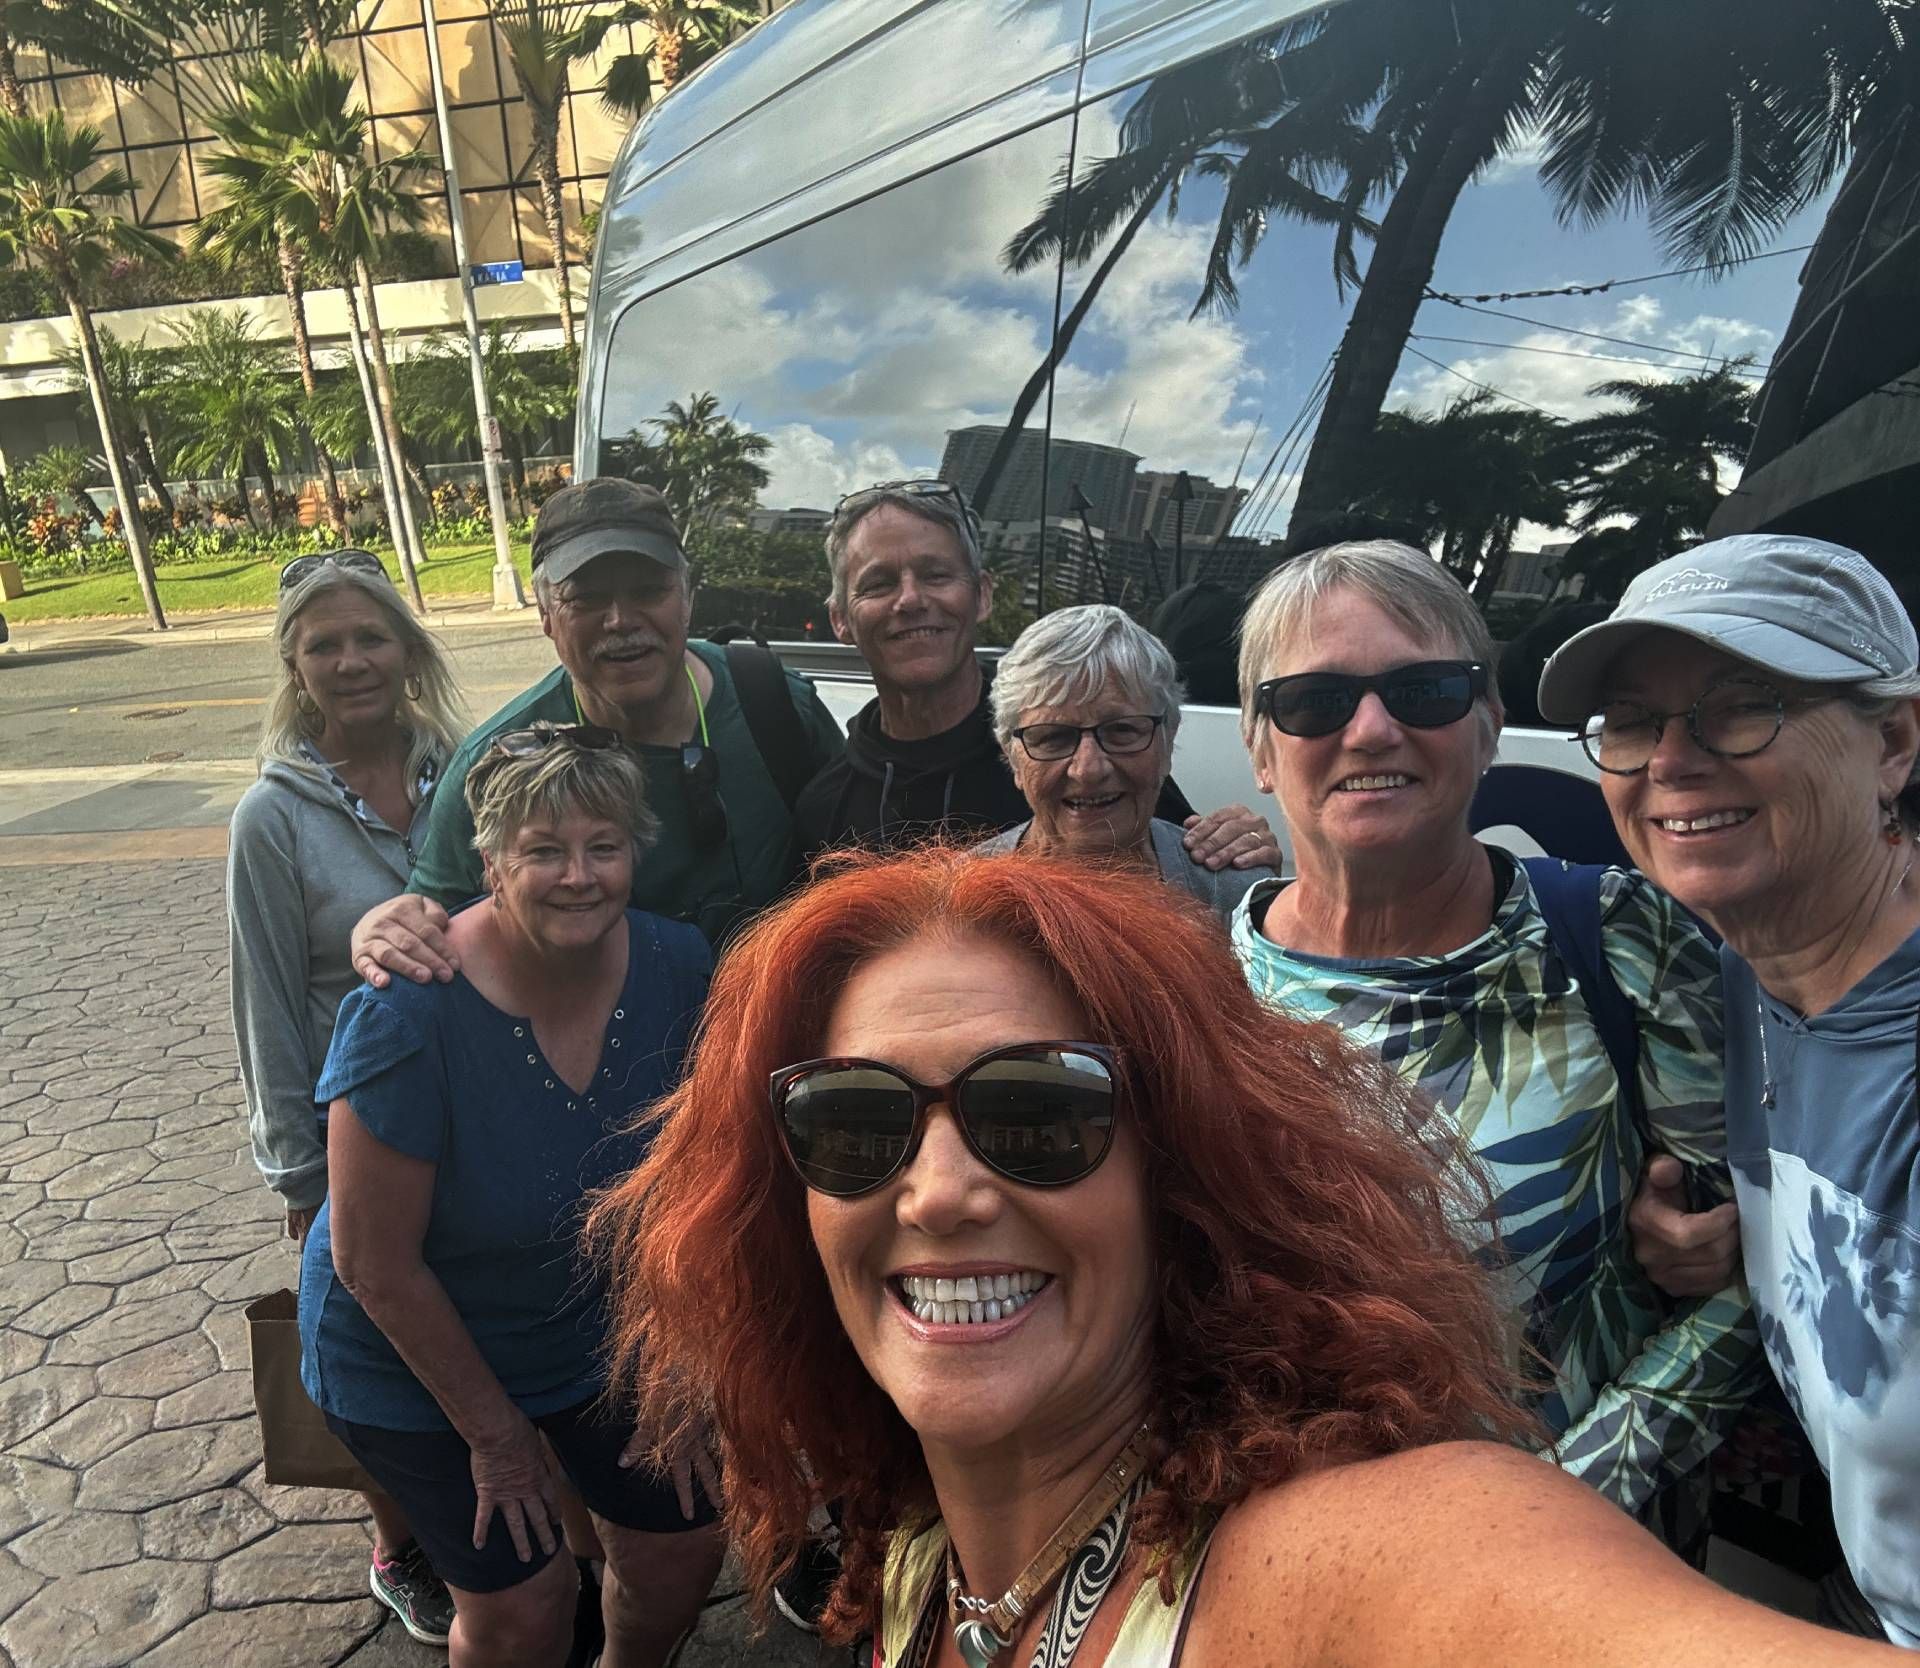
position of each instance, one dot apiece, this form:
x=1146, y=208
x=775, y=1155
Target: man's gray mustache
x=626, y=645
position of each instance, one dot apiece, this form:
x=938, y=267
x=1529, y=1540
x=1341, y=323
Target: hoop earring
x=312, y=720
x=414, y=687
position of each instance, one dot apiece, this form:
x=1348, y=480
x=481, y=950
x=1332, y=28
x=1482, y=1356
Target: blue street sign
x=498, y=272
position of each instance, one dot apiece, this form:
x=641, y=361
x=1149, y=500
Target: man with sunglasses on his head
x=616, y=597
x=910, y=592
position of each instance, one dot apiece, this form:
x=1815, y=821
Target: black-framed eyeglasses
x=1734, y=719
x=1049, y=743
x=1039, y=1113
x=700, y=785
x=925, y=488
x=354, y=561
x=1425, y=695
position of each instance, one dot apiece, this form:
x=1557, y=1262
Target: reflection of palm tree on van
x=546, y=40
x=1463, y=481
x=1654, y=463
x=1193, y=120
x=1722, y=118
x=707, y=465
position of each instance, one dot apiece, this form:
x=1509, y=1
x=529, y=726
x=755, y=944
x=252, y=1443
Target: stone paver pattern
x=135, y=1526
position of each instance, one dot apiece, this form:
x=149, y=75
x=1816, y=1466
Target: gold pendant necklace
x=983, y=1629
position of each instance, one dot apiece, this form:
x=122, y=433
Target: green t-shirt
x=715, y=889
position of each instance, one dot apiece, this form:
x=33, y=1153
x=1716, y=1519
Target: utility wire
x=1484, y=387
x=1617, y=283
x=1563, y=353
x=1588, y=335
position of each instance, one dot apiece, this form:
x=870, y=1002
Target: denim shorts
x=430, y=1474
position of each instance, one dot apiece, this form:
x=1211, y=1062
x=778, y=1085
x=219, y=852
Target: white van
x=842, y=230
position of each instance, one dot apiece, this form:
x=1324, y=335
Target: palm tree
x=528, y=390
x=241, y=230
x=707, y=465
x=1463, y=481
x=235, y=400
x=546, y=39
x=685, y=34
x=126, y=40
x=48, y=218
x=1654, y=462
x=1721, y=126
x=1719, y=122
x=137, y=378
x=1194, y=120
x=300, y=143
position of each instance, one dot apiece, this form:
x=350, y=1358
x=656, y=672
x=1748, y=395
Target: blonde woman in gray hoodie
x=363, y=719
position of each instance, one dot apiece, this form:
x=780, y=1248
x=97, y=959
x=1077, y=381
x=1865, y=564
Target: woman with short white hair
x=361, y=722
x=1368, y=707
x=1086, y=705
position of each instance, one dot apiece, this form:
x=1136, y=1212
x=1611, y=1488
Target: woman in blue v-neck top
x=452, y=1331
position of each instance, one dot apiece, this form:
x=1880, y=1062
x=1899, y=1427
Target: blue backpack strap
x=1569, y=898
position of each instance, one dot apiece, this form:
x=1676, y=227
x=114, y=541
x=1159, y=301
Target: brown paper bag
x=300, y=1450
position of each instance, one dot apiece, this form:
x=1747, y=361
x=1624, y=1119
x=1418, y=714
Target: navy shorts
x=430, y=1474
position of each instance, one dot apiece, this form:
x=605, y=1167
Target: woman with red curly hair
x=1069, y=1270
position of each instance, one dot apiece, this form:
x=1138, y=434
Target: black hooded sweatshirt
x=887, y=794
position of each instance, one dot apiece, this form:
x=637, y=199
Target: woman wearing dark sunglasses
x=452, y=1337
x=1123, y=1318
x=1086, y=705
x=1368, y=712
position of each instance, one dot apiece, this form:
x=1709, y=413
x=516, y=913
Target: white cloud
x=809, y=471
x=1555, y=371
x=1519, y=161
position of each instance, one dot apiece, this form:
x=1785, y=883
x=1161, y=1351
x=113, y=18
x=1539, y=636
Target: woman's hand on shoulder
x=1232, y=837
x=1469, y=1555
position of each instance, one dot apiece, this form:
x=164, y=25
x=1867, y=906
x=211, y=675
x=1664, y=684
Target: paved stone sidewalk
x=134, y=1524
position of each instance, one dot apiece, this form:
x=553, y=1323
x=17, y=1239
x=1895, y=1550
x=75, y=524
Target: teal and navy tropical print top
x=1498, y=1035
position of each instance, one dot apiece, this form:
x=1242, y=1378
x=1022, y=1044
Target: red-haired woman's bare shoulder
x=1425, y=1556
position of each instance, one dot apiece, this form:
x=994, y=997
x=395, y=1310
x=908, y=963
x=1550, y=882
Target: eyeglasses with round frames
x=1050, y=743
x=1734, y=719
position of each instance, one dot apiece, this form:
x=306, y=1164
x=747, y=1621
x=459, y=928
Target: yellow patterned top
x=1149, y=1636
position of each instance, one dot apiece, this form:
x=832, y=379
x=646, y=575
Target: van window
x=863, y=347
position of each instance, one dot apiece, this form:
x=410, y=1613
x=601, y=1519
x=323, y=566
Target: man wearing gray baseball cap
x=1754, y=708
x=726, y=737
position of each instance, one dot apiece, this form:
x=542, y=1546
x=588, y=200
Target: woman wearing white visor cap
x=1752, y=707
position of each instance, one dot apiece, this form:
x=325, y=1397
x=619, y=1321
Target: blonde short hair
x=560, y=780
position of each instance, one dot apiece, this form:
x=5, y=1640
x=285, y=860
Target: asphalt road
x=117, y=745
x=125, y=700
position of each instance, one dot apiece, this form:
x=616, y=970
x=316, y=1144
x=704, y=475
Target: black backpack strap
x=1569, y=898
x=767, y=700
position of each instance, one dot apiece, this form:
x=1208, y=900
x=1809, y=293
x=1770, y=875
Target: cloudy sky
x=856, y=344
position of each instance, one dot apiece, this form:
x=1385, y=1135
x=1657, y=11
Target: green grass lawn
x=201, y=587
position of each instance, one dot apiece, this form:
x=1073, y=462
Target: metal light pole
x=506, y=578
